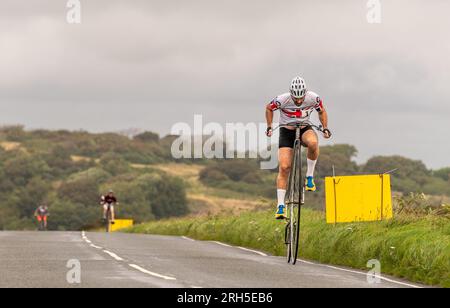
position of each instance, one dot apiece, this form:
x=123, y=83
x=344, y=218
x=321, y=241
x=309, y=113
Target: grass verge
x=417, y=249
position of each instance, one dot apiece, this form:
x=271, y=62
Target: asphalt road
x=32, y=259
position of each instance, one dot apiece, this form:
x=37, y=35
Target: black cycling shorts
x=287, y=136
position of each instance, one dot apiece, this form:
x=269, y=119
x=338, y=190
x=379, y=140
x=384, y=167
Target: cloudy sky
x=149, y=64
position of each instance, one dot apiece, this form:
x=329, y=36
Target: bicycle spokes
x=296, y=198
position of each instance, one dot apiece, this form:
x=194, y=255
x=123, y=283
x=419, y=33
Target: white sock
x=281, y=193
x=311, y=167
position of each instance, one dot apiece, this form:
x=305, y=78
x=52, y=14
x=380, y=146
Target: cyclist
x=42, y=214
x=109, y=200
x=297, y=105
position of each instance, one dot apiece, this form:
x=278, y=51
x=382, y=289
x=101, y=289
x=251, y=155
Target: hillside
x=69, y=170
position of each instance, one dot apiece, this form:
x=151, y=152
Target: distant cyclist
x=296, y=106
x=109, y=200
x=42, y=214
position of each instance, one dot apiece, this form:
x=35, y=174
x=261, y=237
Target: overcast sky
x=150, y=64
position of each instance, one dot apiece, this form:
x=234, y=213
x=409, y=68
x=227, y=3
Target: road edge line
x=143, y=270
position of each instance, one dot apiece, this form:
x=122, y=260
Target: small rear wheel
x=287, y=241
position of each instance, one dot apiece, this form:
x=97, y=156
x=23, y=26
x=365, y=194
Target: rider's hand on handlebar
x=269, y=132
x=327, y=133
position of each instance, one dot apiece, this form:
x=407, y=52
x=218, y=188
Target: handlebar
x=300, y=125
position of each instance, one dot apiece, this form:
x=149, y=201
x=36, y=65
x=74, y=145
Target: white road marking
x=222, y=244
x=329, y=266
x=187, y=238
x=242, y=248
x=307, y=262
x=143, y=270
x=254, y=251
x=401, y=283
x=381, y=277
x=360, y=273
x=112, y=254
x=117, y=258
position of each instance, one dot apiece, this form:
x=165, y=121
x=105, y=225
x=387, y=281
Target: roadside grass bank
x=410, y=247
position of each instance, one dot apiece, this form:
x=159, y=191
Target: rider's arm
x=323, y=117
x=269, y=116
x=270, y=108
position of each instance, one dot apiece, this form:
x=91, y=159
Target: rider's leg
x=285, y=162
x=311, y=140
x=105, y=210
x=112, y=213
x=45, y=222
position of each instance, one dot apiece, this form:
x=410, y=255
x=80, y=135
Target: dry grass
x=77, y=159
x=10, y=146
x=205, y=200
x=211, y=205
x=187, y=172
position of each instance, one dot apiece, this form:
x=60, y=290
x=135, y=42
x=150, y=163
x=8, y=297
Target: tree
x=443, y=173
x=410, y=176
x=15, y=133
x=83, y=191
x=66, y=215
x=340, y=156
x=22, y=168
x=234, y=169
x=166, y=195
x=34, y=194
x=114, y=164
x=405, y=167
x=147, y=137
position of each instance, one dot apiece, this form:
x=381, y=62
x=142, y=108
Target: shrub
x=147, y=137
x=212, y=175
x=83, y=191
x=166, y=195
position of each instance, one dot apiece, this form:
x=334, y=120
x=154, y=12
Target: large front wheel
x=299, y=198
x=295, y=199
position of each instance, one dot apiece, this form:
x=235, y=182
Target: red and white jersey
x=290, y=112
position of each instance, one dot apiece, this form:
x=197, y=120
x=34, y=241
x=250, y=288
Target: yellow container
x=358, y=198
x=121, y=224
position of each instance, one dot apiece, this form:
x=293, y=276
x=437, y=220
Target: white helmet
x=298, y=87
